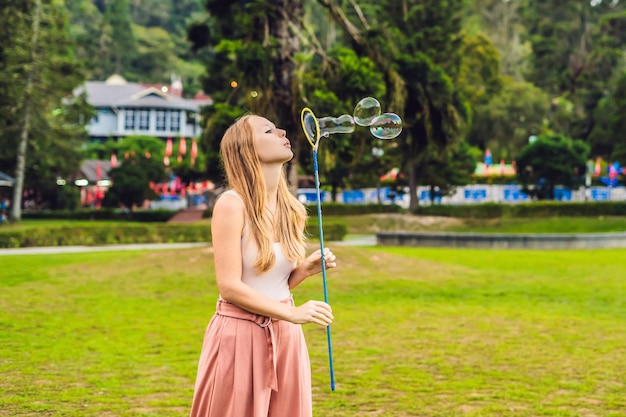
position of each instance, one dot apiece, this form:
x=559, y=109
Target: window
x=160, y=120
x=174, y=120
x=129, y=120
x=144, y=119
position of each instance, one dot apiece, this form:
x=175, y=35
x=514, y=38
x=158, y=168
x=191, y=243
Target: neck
x=272, y=174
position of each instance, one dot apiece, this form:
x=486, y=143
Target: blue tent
x=5, y=180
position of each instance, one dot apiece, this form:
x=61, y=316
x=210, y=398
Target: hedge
x=148, y=216
x=535, y=209
x=99, y=234
x=339, y=209
x=102, y=235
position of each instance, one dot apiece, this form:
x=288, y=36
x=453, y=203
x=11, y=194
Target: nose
x=282, y=133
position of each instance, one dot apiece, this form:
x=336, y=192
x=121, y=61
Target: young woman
x=254, y=360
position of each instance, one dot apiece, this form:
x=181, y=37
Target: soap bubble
x=386, y=126
x=366, y=111
x=332, y=125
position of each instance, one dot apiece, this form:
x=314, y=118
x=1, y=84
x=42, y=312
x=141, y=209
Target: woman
x=254, y=360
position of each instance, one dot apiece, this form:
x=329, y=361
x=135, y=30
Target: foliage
x=248, y=51
x=607, y=138
x=551, y=161
x=55, y=130
x=131, y=182
x=577, y=47
x=420, y=57
x=507, y=119
x=102, y=234
x=540, y=209
x=143, y=40
x=332, y=85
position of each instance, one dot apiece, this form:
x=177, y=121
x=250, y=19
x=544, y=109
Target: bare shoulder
x=228, y=214
x=227, y=202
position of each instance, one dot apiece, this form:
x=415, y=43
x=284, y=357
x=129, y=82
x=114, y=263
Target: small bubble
x=386, y=126
x=366, y=111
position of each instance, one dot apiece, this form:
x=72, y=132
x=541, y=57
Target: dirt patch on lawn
x=411, y=223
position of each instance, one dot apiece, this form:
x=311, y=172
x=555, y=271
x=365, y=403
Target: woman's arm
x=311, y=266
x=226, y=229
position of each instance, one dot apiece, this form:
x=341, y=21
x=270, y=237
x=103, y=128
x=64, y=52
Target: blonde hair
x=244, y=175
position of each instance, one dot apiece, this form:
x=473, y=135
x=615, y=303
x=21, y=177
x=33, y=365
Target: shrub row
x=99, y=234
x=148, y=216
x=535, y=209
x=339, y=209
x=102, y=235
x=333, y=230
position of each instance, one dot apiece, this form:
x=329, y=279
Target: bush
x=333, y=230
x=535, y=209
x=338, y=209
x=103, y=235
x=100, y=214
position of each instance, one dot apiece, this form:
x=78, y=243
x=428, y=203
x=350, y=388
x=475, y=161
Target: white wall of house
x=103, y=123
x=142, y=121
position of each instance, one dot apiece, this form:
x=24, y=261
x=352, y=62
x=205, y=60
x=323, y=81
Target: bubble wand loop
x=315, y=146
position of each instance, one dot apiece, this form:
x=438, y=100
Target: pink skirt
x=252, y=366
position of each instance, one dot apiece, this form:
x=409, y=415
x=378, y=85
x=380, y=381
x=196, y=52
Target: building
x=125, y=109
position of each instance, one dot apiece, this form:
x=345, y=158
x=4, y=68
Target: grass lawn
x=418, y=332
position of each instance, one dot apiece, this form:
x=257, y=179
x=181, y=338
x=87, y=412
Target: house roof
x=93, y=170
x=6, y=180
x=116, y=92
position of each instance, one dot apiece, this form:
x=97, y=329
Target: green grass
x=418, y=332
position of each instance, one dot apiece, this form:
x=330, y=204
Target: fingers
x=329, y=258
x=318, y=312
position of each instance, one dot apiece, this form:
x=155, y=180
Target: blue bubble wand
x=382, y=126
x=307, y=117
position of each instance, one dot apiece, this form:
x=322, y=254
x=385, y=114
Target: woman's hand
x=312, y=265
x=317, y=312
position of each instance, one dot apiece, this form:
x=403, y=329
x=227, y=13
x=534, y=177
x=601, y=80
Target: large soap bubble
x=332, y=125
x=386, y=126
x=366, y=111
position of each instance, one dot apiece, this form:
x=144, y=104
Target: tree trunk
x=16, y=208
x=284, y=100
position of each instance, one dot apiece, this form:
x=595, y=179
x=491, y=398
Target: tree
x=131, y=182
x=607, y=138
x=506, y=121
x=420, y=55
x=549, y=161
x=576, y=48
x=332, y=85
x=249, y=58
x=39, y=73
x=118, y=36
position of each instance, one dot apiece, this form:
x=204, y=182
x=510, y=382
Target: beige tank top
x=273, y=283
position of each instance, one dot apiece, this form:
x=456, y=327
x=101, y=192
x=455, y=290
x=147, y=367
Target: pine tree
x=418, y=46
x=248, y=48
x=42, y=125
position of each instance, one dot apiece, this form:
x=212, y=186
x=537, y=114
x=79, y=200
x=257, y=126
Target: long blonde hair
x=243, y=171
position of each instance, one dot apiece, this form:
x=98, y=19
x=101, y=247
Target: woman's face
x=271, y=143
